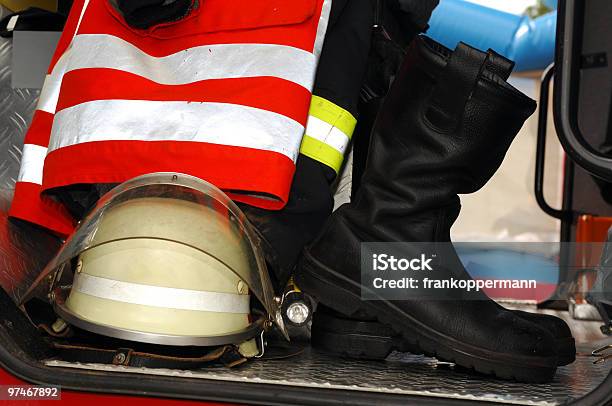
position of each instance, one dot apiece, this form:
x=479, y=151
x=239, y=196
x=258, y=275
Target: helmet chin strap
x=262, y=345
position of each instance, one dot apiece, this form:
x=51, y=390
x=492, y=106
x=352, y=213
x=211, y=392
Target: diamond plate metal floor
x=18, y=264
x=401, y=374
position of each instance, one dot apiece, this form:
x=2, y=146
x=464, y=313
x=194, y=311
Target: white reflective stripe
x=156, y=296
x=51, y=88
x=205, y=62
x=49, y=93
x=12, y=23
x=322, y=28
x=327, y=133
x=32, y=162
x=145, y=120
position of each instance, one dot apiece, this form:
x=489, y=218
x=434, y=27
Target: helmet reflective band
x=158, y=287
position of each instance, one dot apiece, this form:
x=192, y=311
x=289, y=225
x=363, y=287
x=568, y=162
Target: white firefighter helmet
x=167, y=259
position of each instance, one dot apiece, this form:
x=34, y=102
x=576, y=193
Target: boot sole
x=364, y=340
x=327, y=287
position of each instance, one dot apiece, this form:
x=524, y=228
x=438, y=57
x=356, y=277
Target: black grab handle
x=541, y=149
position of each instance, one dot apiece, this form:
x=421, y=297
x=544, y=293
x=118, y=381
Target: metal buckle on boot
x=602, y=353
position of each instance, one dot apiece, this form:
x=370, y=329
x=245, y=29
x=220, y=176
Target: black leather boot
x=362, y=338
x=443, y=130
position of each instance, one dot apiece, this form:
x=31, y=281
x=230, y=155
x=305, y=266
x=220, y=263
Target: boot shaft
x=443, y=130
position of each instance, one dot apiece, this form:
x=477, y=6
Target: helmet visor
x=172, y=207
